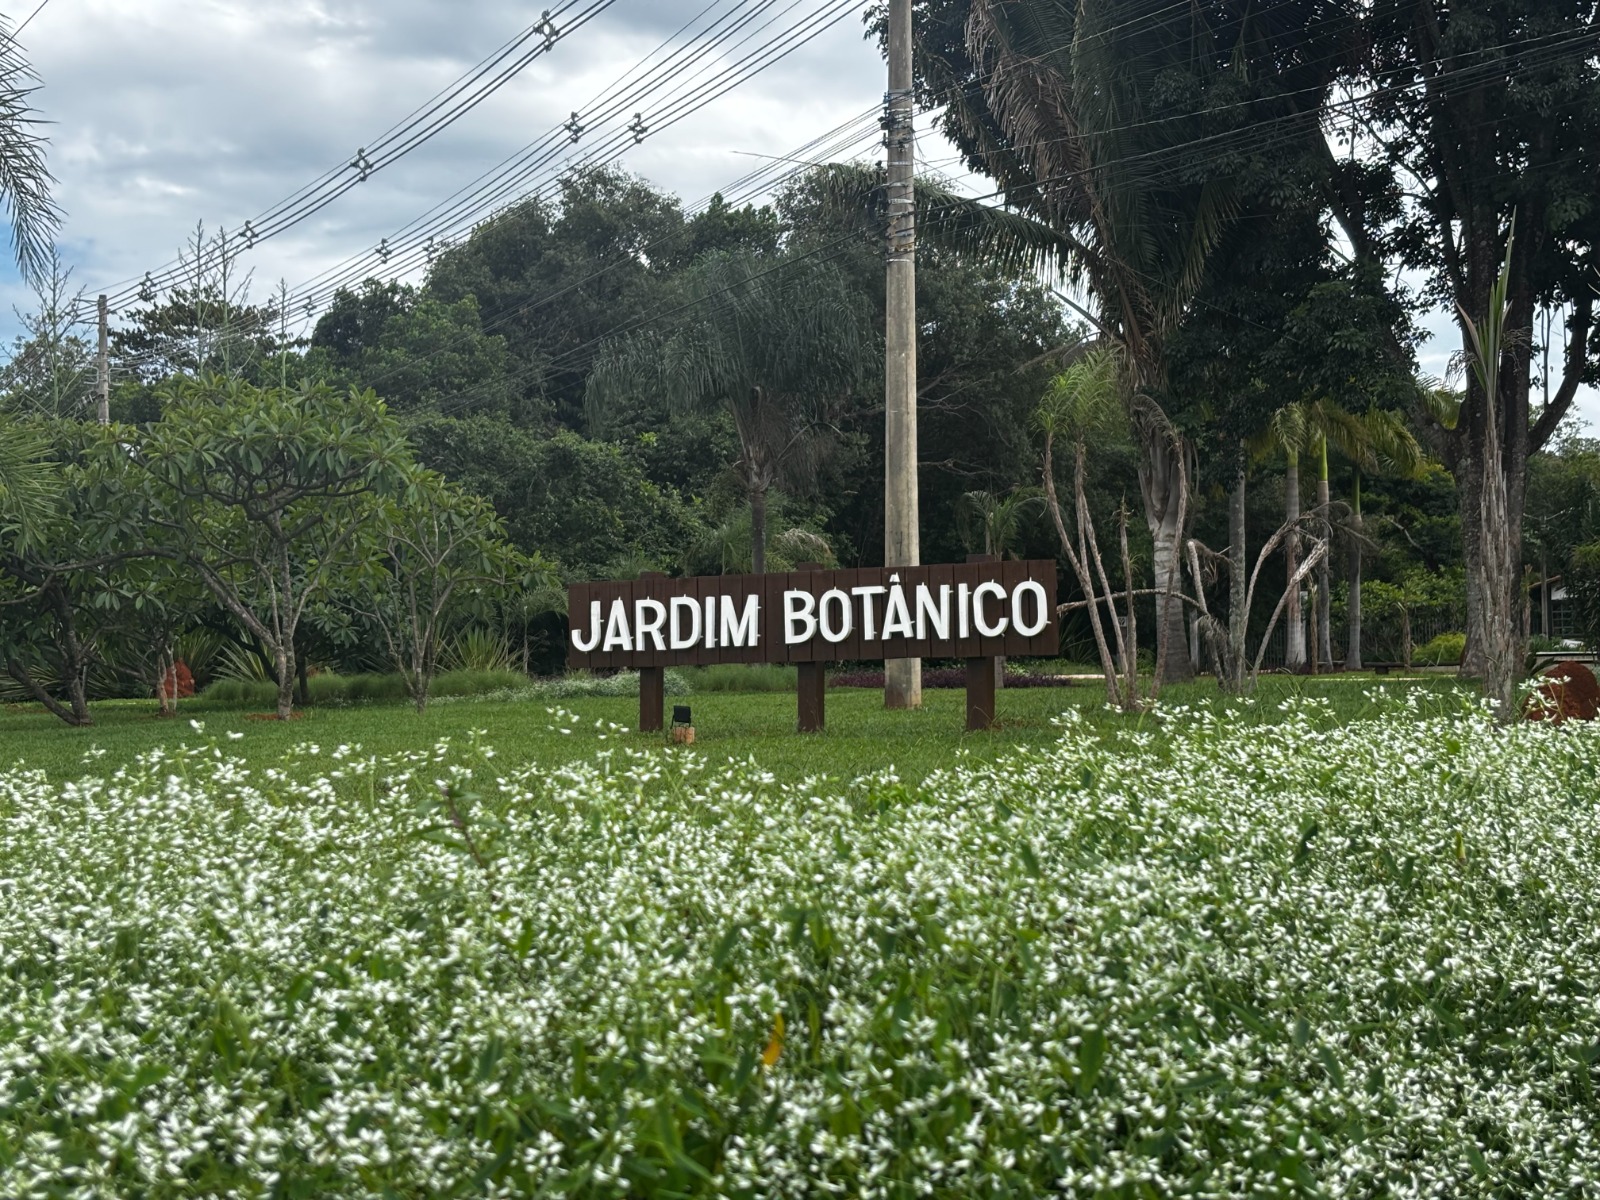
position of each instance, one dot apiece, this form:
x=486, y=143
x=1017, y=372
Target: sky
x=168, y=113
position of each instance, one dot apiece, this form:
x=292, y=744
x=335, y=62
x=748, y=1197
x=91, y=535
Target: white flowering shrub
x=1212, y=959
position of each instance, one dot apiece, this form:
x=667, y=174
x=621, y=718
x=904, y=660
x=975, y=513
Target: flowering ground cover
x=1204, y=955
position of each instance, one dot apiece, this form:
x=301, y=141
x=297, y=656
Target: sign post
x=975, y=611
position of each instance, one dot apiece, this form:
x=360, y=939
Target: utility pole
x=901, y=541
x=103, y=367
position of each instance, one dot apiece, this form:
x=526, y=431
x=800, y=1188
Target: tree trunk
x=1352, y=657
x=19, y=671
x=1469, y=479
x=1235, y=669
x=1294, y=657
x=284, y=663
x=1161, y=477
x=758, y=530
x=1324, y=568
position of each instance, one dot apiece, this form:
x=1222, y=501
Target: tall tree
x=774, y=342
x=1123, y=124
x=267, y=496
x=1485, y=111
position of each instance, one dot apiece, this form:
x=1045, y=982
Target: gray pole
x=103, y=369
x=901, y=544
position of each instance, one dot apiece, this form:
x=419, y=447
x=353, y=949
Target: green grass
x=861, y=736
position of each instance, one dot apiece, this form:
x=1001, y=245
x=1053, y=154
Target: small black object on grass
x=680, y=715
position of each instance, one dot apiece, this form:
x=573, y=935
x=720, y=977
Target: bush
x=1443, y=651
x=732, y=677
x=477, y=682
x=373, y=687
x=1235, y=960
x=567, y=687
x=242, y=693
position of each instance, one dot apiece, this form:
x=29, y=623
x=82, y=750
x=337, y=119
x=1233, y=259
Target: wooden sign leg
x=652, y=699
x=980, y=693
x=813, y=697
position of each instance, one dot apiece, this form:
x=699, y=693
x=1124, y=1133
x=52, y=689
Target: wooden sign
x=978, y=611
x=971, y=610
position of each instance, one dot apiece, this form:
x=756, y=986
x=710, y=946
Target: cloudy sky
x=168, y=113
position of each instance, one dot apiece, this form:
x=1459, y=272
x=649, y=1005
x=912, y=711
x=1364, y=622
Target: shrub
x=1238, y=960
x=1444, y=650
x=374, y=687
x=477, y=682
x=325, y=687
x=241, y=693
x=733, y=677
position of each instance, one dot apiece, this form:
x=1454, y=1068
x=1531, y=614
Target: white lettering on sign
x=617, y=635
x=799, y=617
x=648, y=618
x=978, y=593
x=835, y=631
x=739, y=629
x=681, y=638
x=869, y=619
x=1041, y=608
x=927, y=612
x=592, y=643
x=896, y=616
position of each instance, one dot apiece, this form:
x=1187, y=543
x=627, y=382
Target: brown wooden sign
x=978, y=610
x=970, y=610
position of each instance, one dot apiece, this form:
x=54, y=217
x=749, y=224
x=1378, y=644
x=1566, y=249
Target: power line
x=18, y=30
x=447, y=106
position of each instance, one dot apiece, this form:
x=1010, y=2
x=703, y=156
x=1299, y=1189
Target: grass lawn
x=861, y=736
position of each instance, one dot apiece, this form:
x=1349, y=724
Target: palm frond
x=25, y=180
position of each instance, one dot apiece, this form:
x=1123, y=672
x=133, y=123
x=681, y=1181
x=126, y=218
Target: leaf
x=770, y=1055
x=1091, y=1059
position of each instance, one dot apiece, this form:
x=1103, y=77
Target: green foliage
x=734, y=677
x=477, y=681
x=1039, y=939
x=244, y=693
x=585, y=502
x=1442, y=651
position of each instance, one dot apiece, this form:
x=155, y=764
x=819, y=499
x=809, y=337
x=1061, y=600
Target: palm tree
x=1375, y=442
x=24, y=178
x=1069, y=107
x=775, y=342
x=1000, y=519
x=25, y=197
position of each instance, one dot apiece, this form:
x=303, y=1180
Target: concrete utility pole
x=901, y=541
x=103, y=368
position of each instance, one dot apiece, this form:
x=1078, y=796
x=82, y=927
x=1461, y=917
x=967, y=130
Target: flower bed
x=1214, y=960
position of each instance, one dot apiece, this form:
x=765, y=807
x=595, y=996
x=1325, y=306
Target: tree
x=1485, y=111
x=267, y=495
x=1085, y=402
x=1125, y=128
x=439, y=549
x=419, y=351
x=52, y=369
x=585, y=504
x=773, y=342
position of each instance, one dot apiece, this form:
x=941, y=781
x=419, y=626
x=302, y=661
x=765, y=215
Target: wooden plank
x=652, y=699
x=968, y=574
x=980, y=693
